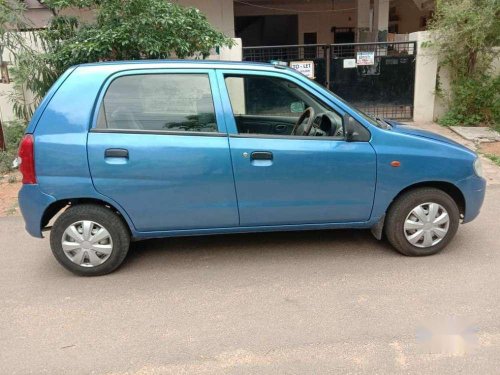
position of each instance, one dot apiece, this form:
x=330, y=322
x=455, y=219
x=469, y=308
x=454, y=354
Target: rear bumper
x=33, y=203
x=474, y=189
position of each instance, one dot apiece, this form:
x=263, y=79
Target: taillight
x=27, y=159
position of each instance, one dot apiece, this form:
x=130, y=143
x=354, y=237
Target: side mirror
x=350, y=128
x=354, y=131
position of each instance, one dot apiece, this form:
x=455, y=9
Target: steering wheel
x=304, y=129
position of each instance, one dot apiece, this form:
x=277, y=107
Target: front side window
x=159, y=102
x=277, y=106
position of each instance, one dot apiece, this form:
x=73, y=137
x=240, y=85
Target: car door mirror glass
x=350, y=129
x=354, y=131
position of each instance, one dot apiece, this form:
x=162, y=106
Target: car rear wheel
x=89, y=240
x=422, y=222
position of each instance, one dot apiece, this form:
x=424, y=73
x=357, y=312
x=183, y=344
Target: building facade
x=288, y=22
x=259, y=23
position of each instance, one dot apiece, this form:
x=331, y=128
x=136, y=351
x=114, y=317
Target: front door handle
x=261, y=155
x=116, y=153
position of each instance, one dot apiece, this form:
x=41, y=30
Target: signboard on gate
x=304, y=67
x=349, y=63
x=365, y=58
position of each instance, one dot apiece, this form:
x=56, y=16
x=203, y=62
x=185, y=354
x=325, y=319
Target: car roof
x=210, y=64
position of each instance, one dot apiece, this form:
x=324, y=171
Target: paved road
x=297, y=303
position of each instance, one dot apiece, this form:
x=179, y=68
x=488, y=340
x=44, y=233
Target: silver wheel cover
x=426, y=225
x=87, y=243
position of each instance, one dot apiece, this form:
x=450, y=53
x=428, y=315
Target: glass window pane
x=271, y=105
x=160, y=102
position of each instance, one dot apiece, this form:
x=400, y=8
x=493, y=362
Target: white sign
x=304, y=67
x=278, y=62
x=365, y=58
x=349, y=63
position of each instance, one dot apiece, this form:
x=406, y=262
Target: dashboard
x=327, y=125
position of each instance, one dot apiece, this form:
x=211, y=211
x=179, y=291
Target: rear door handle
x=261, y=155
x=116, y=153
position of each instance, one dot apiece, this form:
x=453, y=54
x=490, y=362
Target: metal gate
x=319, y=53
x=383, y=86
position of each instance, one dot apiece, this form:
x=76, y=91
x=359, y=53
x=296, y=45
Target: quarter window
x=159, y=102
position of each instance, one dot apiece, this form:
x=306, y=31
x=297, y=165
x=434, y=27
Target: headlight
x=478, y=167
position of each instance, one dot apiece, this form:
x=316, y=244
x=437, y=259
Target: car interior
x=275, y=106
x=262, y=105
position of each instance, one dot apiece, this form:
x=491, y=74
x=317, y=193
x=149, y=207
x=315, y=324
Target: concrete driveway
x=296, y=303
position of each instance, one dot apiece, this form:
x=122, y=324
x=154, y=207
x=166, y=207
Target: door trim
x=291, y=137
x=229, y=116
x=158, y=132
x=209, y=72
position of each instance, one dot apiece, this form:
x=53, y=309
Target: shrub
x=474, y=101
x=466, y=34
x=13, y=132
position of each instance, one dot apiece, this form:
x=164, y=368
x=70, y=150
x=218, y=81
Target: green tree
x=466, y=34
x=122, y=30
x=11, y=22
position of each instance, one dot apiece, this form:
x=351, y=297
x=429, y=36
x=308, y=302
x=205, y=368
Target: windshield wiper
x=383, y=123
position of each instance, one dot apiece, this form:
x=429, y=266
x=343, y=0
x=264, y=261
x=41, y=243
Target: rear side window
x=159, y=102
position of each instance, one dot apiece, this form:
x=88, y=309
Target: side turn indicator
x=395, y=163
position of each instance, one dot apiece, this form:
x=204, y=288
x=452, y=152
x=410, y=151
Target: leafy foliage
x=13, y=132
x=494, y=158
x=11, y=19
x=474, y=101
x=467, y=32
x=122, y=30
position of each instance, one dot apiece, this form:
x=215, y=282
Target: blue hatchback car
x=133, y=150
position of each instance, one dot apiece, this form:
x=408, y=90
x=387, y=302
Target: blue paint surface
x=193, y=184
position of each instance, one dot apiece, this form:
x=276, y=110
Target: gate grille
x=384, y=89
x=318, y=53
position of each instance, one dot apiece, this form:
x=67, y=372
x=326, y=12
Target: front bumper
x=474, y=189
x=33, y=203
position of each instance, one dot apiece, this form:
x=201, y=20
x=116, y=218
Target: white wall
x=6, y=113
x=219, y=13
x=320, y=22
x=345, y=15
x=425, y=79
x=409, y=16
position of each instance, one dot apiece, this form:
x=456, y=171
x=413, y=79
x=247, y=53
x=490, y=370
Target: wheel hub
x=426, y=225
x=87, y=243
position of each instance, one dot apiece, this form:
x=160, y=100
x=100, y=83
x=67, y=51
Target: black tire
x=104, y=216
x=401, y=208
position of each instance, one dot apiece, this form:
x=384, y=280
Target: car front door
x=287, y=179
x=159, y=149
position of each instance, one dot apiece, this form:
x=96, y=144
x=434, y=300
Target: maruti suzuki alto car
x=124, y=151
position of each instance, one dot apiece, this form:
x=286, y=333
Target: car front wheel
x=89, y=240
x=422, y=221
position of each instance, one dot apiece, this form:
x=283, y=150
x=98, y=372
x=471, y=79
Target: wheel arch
x=452, y=190
x=54, y=208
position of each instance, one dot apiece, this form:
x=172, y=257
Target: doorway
x=267, y=30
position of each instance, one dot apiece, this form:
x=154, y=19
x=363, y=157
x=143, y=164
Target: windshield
x=372, y=120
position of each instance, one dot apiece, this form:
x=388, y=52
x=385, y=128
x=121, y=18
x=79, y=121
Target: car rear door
x=285, y=179
x=158, y=148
